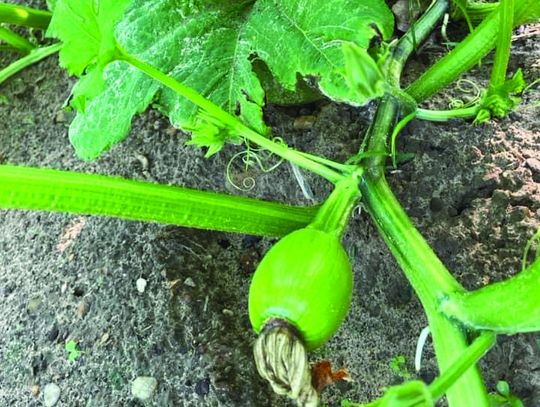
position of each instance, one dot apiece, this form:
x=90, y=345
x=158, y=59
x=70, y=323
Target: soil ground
x=473, y=191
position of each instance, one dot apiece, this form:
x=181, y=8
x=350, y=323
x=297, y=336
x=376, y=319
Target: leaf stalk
x=15, y=40
x=24, y=16
x=34, y=56
x=504, y=43
x=231, y=122
x=89, y=194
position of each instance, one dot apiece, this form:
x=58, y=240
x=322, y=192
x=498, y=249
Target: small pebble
x=33, y=305
x=304, y=122
x=436, y=204
x=202, y=388
x=227, y=312
x=82, y=309
x=171, y=131
x=104, y=338
x=534, y=166
x=34, y=390
x=143, y=387
x=189, y=282
x=143, y=161
x=60, y=117
x=51, y=394
x=141, y=285
x=53, y=333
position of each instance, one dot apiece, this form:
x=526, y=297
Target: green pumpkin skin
x=305, y=279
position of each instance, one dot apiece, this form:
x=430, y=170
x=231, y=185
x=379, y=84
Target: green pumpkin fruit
x=306, y=280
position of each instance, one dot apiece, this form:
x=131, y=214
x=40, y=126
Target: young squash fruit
x=306, y=278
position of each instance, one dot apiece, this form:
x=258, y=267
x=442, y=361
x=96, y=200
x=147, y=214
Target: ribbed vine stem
x=406, y=45
x=504, y=43
x=510, y=306
x=381, y=127
x=431, y=281
x=426, y=273
x=467, y=53
x=90, y=194
x=25, y=16
x=389, y=107
x=429, y=277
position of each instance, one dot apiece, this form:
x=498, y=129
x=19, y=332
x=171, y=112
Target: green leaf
x=216, y=64
x=105, y=119
x=501, y=100
x=210, y=132
x=503, y=388
x=362, y=74
x=73, y=352
x=503, y=397
x=295, y=37
x=86, y=29
x=209, y=46
x=199, y=46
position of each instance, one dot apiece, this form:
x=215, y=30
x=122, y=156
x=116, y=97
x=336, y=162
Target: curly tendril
x=251, y=157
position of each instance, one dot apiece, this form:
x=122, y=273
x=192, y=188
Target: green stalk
x=18, y=42
x=504, y=43
x=468, y=52
x=333, y=216
x=467, y=359
x=343, y=168
x=406, y=45
x=25, y=16
x=417, y=393
x=34, y=56
x=478, y=11
x=430, y=280
x=445, y=115
x=377, y=135
x=231, y=122
x=389, y=107
x=89, y=194
x=428, y=276
x=509, y=306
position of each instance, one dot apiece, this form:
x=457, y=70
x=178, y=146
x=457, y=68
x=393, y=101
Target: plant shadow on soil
x=474, y=192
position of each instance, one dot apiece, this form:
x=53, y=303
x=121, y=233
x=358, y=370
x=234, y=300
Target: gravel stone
x=143, y=387
x=51, y=394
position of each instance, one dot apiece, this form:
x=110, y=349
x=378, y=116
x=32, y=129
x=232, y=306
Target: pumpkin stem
x=333, y=216
x=281, y=359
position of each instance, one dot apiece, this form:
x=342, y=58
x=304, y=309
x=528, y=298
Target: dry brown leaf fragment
x=322, y=375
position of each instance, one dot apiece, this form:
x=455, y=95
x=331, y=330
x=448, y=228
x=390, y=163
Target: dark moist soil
x=473, y=191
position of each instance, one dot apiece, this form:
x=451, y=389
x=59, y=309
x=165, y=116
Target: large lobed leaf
x=209, y=46
x=306, y=37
